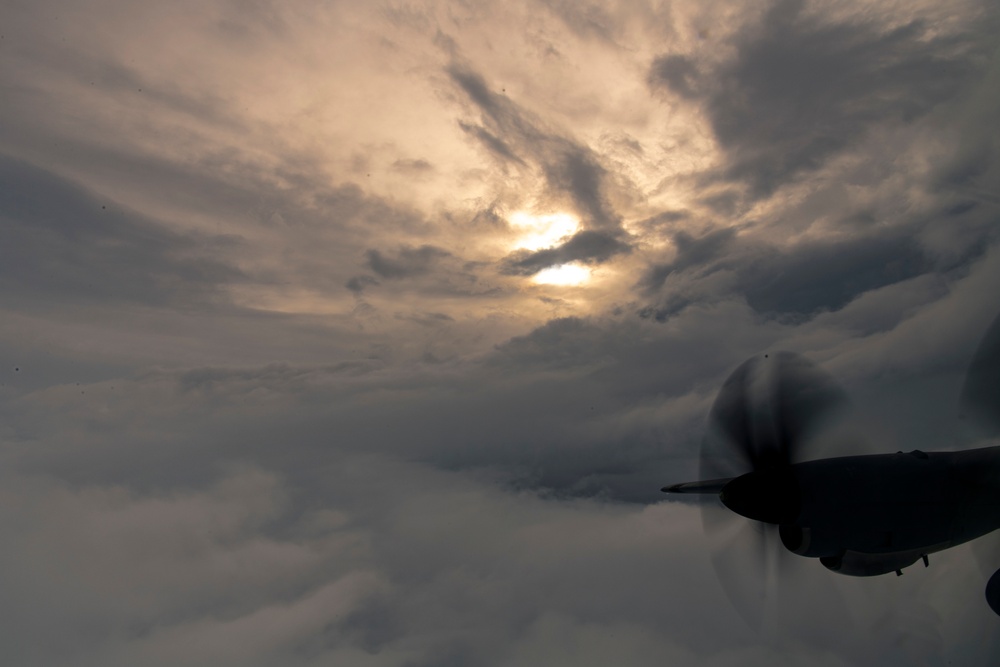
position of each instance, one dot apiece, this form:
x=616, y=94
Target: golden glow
x=542, y=231
x=564, y=274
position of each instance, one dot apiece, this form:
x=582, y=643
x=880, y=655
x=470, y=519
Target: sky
x=366, y=333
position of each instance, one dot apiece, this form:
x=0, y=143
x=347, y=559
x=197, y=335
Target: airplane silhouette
x=859, y=515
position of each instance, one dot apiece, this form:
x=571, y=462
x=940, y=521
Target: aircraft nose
x=771, y=496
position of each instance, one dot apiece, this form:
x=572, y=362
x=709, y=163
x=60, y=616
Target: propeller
x=761, y=422
x=980, y=399
x=980, y=404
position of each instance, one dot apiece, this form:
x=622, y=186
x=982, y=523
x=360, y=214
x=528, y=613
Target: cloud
x=65, y=242
x=676, y=72
x=492, y=143
x=283, y=395
x=357, y=284
x=387, y=513
x=586, y=20
x=691, y=253
x=797, y=281
x=365, y=558
x=182, y=574
x=408, y=262
x=589, y=247
x=425, y=269
x=570, y=168
x=800, y=88
x=414, y=167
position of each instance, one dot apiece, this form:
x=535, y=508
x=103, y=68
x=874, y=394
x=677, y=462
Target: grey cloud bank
x=281, y=385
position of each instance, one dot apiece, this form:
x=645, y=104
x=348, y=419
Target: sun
x=538, y=232
x=564, y=274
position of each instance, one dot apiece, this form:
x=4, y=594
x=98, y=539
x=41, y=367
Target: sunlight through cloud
x=564, y=274
x=542, y=231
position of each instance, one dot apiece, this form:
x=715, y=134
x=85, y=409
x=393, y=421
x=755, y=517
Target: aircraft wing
x=707, y=486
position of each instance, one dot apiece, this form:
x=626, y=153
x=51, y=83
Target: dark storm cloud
x=798, y=281
x=828, y=276
x=800, y=89
x=691, y=253
x=62, y=241
x=589, y=247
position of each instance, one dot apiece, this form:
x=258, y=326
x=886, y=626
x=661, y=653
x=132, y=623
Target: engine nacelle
x=993, y=592
x=806, y=541
x=856, y=564
x=829, y=548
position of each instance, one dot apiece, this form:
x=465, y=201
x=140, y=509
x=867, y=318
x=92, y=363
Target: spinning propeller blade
x=980, y=403
x=761, y=422
x=980, y=399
